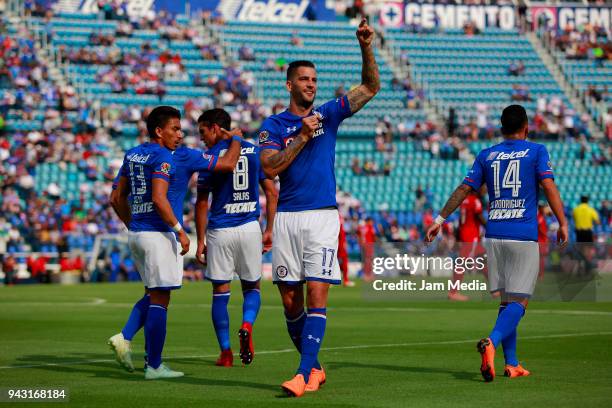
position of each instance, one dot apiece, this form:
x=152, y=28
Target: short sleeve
x=123, y=171
x=117, y=177
x=475, y=176
x=164, y=167
x=544, y=166
x=202, y=161
x=262, y=175
x=204, y=182
x=336, y=110
x=269, y=136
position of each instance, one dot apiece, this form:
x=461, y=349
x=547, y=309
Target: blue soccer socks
x=509, y=344
x=137, y=318
x=295, y=326
x=250, y=305
x=155, y=334
x=220, y=319
x=506, y=323
x=312, y=337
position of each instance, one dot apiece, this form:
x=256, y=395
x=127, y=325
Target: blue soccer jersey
x=309, y=182
x=512, y=171
x=187, y=162
x=141, y=165
x=235, y=196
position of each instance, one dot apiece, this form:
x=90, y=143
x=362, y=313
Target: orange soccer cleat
x=295, y=387
x=247, y=350
x=316, y=379
x=226, y=359
x=518, y=371
x=487, y=351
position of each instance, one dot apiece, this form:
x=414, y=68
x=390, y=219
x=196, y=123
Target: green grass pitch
x=376, y=354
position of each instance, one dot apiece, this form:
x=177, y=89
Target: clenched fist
x=309, y=125
x=365, y=33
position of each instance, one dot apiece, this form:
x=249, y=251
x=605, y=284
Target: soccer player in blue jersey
x=513, y=171
x=298, y=145
x=149, y=198
x=229, y=233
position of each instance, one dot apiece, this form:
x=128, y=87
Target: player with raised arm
x=186, y=161
x=298, y=145
x=512, y=170
x=229, y=234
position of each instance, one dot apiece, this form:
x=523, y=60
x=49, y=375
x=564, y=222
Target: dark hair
x=584, y=199
x=216, y=117
x=159, y=117
x=513, y=118
x=294, y=65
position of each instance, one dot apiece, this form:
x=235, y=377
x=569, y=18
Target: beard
x=300, y=99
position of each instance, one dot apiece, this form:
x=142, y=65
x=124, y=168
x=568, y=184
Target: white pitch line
x=362, y=346
x=101, y=301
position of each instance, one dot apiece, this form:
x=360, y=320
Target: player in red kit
x=542, y=236
x=343, y=255
x=367, y=239
x=470, y=220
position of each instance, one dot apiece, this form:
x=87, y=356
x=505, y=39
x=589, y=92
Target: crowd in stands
x=583, y=42
x=587, y=42
x=71, y=133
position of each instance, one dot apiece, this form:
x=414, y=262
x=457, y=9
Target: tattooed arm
x=451, y=205
x=370, y=79
x=455, y=200
x=275, y=162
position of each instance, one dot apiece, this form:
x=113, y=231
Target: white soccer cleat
x=123, y=351
x=163, y=371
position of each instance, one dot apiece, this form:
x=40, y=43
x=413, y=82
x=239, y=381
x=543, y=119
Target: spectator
x=516, y=68
x=606, y=212
x=356, y=167
x=9, y=268
x=295, y=40
x=246, y=53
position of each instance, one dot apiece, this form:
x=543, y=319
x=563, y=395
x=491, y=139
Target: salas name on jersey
x=309, y=182
x=512, y=171
x=235, y=196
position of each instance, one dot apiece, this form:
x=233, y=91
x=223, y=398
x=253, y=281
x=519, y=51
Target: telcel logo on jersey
x=237, y=208
x=513, y=155
x=138, y=158
x=243, y=151
x=273, y=11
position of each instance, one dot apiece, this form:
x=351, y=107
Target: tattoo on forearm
x=370, y=81
x=455, y=200
x=286, y=156
x=369, y=69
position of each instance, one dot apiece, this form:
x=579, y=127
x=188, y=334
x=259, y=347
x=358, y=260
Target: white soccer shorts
x=305, y=247
x=513, y=266
x=235, y=250
x=157, y=258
